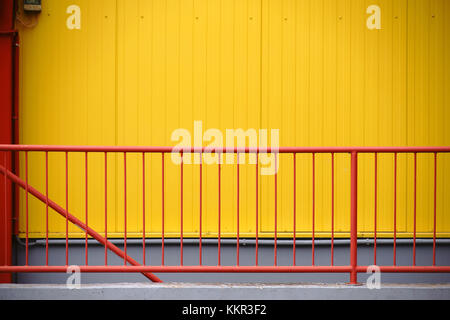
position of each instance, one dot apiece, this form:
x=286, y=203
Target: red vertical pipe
x=276, y=214
x=219, y=213
x=257, y=213
x=46, y=208
x=332, y=209
x=86, y=204
x=106, y=208
x=67, y=208
x=143, y=208
x=26, y=207
x=162, y=209
x=313, y=205
x=294, y=231
x=434, y=213
x=375, y=212
x=201, y=204
x=237, y=233
x=15, y=138
x=415, y=207
x=125, y=205
x=395, y=209
x=5, y=193
x=8, y=84
x=181, y=210
x=353, y=219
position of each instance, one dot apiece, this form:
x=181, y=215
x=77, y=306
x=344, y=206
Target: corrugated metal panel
x=68, y=96
x=139, y=69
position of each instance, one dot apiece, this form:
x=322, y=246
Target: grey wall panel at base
x=247, y=257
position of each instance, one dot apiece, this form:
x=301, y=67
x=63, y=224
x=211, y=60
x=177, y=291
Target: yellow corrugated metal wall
x=138, y=69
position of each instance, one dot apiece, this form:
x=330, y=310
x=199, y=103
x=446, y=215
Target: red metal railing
x=131, y=265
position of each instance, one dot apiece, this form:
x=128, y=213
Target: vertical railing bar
x=219, y=211
x=415, y=207
x=162, y=209
x=201, y=205
x=434, y=214
x=237, y=231
x=295, y=212
x=375, y=210
x=354, y=218
x=26, y=206
x=181, y=210
x=86, y=204
x=332, y=208
x=395, y=209
x=106, y=208
x=67, y=208
x=313, y=207
x=125, y=205
x=143, y=208
x=46, y=208
x=276, y=213
x=257, y=213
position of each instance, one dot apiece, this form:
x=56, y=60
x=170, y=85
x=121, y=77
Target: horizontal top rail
x=149, y=149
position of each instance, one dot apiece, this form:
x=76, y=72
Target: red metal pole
x=5, y=225
x=257, y=213
x=125, y=205
x=219, y=213
x=26, y=208
x=354, y=217
x=229, y=269
x=294, y=231
x=137, y=149
x=8, y=89
x=67, y=207
x=276, y=214
x=410, y=269
x=313, y=206
x=237, y=233
x=86, y=204
x=106, y=207
x=415, y=207
x=201, y=204
x=434, y=213
x=375, y=212
x=181, y=210
x=332, y=209
x=15, y=138
x=162, y=209
x=395, y=209
x=46, y=208
x=143, y=208
x=211, y=269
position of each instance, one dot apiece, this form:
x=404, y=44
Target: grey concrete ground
x=234, y=286
x=192, y=291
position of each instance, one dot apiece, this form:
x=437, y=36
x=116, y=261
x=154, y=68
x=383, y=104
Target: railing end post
x=354, y=219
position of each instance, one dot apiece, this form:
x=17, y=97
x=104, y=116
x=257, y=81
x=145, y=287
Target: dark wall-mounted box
x=32, y=5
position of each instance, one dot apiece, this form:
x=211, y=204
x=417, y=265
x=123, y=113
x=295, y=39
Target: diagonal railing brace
x=75, y=221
